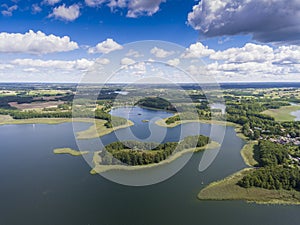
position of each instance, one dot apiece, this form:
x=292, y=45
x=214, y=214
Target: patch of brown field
x=35, y=105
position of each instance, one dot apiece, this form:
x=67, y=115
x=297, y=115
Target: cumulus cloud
x=137, y=8
x=161, y=53
x=197, y=50
x=249, y=53
x=105, y=47
x=8, y=11
x=34, y=43
x=66, y=13
x=266, y=20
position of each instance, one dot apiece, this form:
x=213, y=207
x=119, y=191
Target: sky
x=230, y=40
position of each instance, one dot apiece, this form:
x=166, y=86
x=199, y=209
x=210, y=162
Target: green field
x=283, y=113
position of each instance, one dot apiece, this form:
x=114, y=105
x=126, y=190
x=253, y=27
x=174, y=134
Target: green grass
x=227, y=189
x=283, y=113
x=248, y=153
x=69, y=151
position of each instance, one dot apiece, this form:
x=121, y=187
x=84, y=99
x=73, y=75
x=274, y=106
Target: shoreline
x=98, y=130
x=237, y=127
x=104, y=168
x=89, y=133
x=227, y=190
x=248, y=154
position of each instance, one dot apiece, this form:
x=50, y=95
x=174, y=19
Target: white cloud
x=266, y=20
x=197, y=50
x=117, y=4
x=174, y=62
x=133, y=53
x=34, y=43
x=127, y=61
x=138, y=8
x=35, y=8
x=135, y=8
x=9, y=10
x=6, y=66
x=161, y=53
x=51, y=2
x=80, y=64
x=31, y=70
x=103, y=61
x=249, y=53
x=66, y=13
x=105, y=47
x=287, y=55
x=94, y=3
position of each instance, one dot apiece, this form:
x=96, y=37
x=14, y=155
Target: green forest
x=275, y=171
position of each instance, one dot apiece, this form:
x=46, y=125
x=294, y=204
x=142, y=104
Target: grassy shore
x=103, y=168
x=69, y=151
x=98, y=130
x=248, y=153
x=5, y=120
x=283, y=113
x=228, y=189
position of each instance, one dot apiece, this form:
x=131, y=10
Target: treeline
x=112, y=121
x=275, y=171
x=139, y=153
x=278, y=177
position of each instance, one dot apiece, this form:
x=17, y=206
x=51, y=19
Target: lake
x=41, y=188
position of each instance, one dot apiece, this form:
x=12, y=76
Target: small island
x=156, y=103
x=131, y=155
x=69, y=151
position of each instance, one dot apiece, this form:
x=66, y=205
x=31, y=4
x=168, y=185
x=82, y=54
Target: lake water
x=296, y=113
x=40, y=188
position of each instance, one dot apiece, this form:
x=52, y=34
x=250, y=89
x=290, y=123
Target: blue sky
x=231, y=44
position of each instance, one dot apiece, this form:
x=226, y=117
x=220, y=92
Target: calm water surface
x=40, y=188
